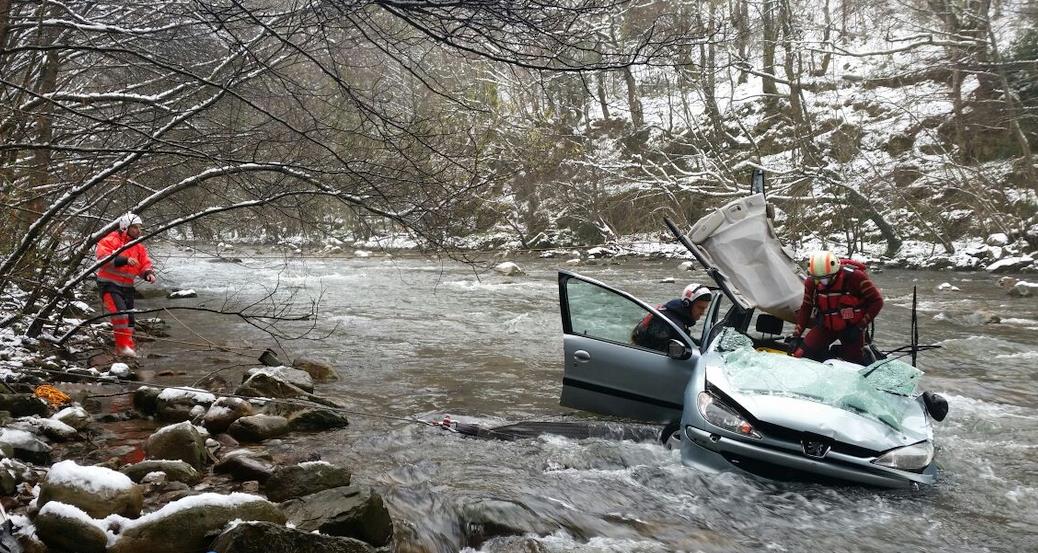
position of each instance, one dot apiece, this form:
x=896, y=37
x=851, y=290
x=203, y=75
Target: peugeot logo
x=815, y=449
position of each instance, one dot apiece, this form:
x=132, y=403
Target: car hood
x=821, y=399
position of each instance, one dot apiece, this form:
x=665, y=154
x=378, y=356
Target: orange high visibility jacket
x=118, y=270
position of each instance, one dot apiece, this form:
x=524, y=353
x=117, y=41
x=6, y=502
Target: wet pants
x=818, y=339
x=119, y=298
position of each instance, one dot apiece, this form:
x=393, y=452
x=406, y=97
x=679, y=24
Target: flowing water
x=417, y=337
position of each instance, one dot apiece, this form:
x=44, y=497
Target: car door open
x=605, y=371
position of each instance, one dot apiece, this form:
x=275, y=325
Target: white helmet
x=694, y=293
x=129, y=219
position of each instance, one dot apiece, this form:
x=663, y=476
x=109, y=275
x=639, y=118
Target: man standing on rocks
x=115, y=279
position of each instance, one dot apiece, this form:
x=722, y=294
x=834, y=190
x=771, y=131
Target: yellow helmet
x=823, y=263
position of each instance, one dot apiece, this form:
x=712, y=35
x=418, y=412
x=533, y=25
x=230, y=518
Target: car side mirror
x=676, y=349
x=769, y=324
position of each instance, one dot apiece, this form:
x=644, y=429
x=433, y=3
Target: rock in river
x=178, y=441
x=318, y=370
x=305, y=479
x=224, y=412
x=175, y=470
x=256, y=428
x=264, y=537
x=296, y=377
x=348, y=511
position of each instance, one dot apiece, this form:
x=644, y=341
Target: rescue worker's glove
x=796, y=343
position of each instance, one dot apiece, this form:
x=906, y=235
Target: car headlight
x=722, y=416
x=912, y=457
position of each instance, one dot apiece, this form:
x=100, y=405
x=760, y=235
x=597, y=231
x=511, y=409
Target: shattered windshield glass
x=876, y=391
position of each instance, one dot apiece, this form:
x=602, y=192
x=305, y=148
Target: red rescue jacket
x=850, y=300
x=118, y=270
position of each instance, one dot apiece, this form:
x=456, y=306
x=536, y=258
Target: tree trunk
x=600, y=77
x=633, y=101
x=768, y=86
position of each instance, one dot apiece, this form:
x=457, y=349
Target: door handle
x=582, y=356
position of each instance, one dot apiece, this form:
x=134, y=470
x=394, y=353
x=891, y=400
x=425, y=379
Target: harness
x=836, y=307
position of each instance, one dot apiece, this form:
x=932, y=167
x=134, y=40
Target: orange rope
x=53, y=396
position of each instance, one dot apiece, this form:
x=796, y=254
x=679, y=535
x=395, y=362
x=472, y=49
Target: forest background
x=471, y=125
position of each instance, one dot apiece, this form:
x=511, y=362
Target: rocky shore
x=91, y=462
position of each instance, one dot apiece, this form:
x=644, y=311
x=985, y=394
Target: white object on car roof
x=740, y=241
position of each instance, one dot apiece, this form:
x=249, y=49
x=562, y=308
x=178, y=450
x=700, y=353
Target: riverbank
x=997, y=253
x=93, y=461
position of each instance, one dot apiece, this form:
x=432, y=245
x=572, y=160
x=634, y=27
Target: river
x=421, y=337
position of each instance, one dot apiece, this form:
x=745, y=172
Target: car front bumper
x=715, y=453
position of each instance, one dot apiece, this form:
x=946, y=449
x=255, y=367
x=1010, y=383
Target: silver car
x=731, y=396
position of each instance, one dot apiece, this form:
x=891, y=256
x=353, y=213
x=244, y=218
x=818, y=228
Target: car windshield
x=878, y=391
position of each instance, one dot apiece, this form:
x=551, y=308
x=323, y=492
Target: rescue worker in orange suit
x=841, y=301
x=115, y=279
x=656, y=334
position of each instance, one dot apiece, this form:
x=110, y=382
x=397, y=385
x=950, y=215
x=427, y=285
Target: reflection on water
x=415, y=337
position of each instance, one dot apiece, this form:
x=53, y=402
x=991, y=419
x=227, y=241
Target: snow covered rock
x=120, y=370
x=97, y=491
x=508, y=268
x=189, y=523
x=1011, y=264
x=574, y=261
x=256, y=428
x=1024, y=289
x=74, y=416
x=182, y=294
x=946, y=287
x=264, y=537
x=53, y=429
x=318, y=370
x=348, y=511
x=687, y=266
x=266, y=384
x=599, y=252
x=180, y=441
x=224, y=412
x=175, y=470
x=175, y=404
x=667, y=280
x=64, y=527
x=361, y=253
x=997, y=239
x=305, y=479
x=25, y=446
x=298, y=378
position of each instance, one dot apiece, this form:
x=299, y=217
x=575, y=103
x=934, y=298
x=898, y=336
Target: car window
x=600, y=313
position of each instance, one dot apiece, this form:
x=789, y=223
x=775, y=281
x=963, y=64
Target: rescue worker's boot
x=124, y=346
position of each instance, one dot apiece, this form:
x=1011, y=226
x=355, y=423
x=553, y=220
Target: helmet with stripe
x=694, y=293
x=822, y=264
